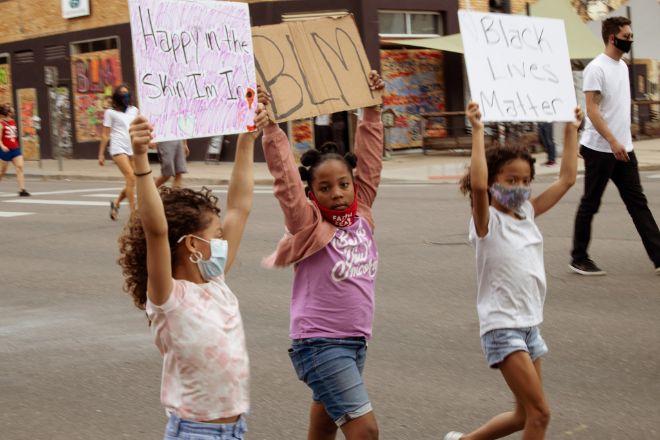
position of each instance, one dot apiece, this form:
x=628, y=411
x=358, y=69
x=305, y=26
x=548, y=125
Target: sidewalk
x=402, y=167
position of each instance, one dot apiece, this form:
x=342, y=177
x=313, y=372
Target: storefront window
x=95, y=72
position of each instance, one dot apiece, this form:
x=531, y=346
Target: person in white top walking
x=175, y=255
x=607, y=148
x=511, y=282
x=116, y=121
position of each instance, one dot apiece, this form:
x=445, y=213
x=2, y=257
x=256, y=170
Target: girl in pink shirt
x=329, y=241
x=175, y=252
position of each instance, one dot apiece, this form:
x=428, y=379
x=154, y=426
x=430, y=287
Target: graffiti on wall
x=414, y=84
x=302, y=136
x=60, y=117
x=5, y=84
x=95, y=75
x=28, y=122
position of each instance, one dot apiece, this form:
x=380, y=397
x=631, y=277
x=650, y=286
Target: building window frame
x=408, y=14
x=76, y=47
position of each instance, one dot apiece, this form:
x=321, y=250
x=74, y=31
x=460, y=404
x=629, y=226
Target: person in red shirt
x=10, y=150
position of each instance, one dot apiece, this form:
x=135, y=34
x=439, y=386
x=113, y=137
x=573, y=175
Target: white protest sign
x=194, y=67
x=518, y=67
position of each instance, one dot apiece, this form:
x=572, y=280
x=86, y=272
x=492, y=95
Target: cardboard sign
x=313, y=67
x=194, y=67
x=518, y=67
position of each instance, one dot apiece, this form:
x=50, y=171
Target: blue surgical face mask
x=511, y=197
x=215, y=265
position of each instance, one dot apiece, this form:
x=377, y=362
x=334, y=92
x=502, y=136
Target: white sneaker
x=454, y=435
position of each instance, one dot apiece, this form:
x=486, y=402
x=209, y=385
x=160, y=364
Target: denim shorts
x=500, y=343
x=178, y=428
x=332, y=368
x=8, y=156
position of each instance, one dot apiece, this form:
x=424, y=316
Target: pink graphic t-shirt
x=333, y=289
x=199, y=332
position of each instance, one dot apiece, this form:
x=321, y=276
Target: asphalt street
x=77, y=359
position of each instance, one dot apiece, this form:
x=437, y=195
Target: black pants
x=599, y=169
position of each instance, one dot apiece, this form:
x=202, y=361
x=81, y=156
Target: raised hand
x=474, y=115
x=141, y=133
x=579, y=117
x=376, y=83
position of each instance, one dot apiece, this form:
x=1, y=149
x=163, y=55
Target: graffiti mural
x=302, y=136
x=94, y=74
x=5, y=84
x=28, y=123
x=414, y=84
x=60, y=117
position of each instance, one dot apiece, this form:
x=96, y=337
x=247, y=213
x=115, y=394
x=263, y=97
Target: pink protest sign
x=194, y=66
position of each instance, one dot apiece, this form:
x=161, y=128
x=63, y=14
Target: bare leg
x=362, y=428
x=178, y=181
x=161, y=180
x=531, y=413
x=20, y=176
x=125, y=165
x=321, y=426
x=3, y=168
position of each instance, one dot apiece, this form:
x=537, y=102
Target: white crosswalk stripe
x=31, y=201
x=14, y=213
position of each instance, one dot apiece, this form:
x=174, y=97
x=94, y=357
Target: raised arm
x=369, y=147
x=568, y=171
x=241, y=188
x=478, y=172
x=287, y=186
x=152, y=215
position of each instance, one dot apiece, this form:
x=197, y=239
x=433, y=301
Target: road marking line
x=112, y=196
x=14, y=213
x=27, y=201
x=71, y=191
x=654, y=176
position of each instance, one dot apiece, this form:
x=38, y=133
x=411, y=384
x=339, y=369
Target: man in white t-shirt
x=607, y=148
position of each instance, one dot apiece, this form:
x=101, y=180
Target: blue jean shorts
x=178, y=428
x=500, y=343
x=8, y=156
x=332, y=368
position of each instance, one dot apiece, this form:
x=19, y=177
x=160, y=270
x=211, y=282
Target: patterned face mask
x=511, y=197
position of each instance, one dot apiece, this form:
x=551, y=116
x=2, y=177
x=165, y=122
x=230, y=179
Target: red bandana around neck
x=338, y=217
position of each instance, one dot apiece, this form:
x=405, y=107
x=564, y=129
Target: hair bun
x=310, y=157
x=351, y=159
x=304, y=173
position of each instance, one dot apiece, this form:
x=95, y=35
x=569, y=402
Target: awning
x=582, y=43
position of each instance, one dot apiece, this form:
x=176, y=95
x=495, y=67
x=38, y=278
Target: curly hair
x=311, y=159
x=496, y=158
x=187, y=212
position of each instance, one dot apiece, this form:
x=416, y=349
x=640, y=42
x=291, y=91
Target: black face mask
x=623, y=45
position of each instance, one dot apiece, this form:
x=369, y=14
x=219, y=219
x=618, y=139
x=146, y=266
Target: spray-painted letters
x=313, y=67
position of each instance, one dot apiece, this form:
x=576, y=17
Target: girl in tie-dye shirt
x=175, y=254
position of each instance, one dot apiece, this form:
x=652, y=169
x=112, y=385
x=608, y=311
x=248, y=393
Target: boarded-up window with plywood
x=6, y=95
x=414, y=84
x=95, y=72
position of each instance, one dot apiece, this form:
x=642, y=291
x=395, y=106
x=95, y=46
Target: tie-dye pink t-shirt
x=199, y=332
